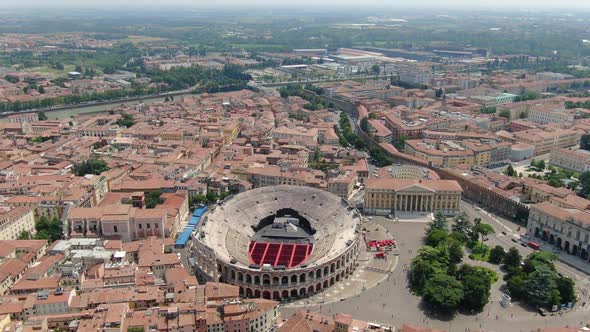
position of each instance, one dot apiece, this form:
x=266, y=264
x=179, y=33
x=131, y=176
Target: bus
x=534, y=245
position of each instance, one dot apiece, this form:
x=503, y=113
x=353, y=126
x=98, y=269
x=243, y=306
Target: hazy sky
x=275, y=3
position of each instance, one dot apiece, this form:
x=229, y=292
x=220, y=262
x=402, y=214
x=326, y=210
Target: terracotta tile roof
x=562, y=213
x=413, y=328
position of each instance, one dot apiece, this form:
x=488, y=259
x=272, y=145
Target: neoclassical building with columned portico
x=385, y=196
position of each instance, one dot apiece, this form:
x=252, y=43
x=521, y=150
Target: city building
x=23, y=117
x=119, y=221
x=493, y=100
x=307, y=321
x=379, y=132
x=545, y=114
x=389, y=195
x=575, y=160
x=521, y=151
x=448, y=153
x=406, y=128
x=342, y=184
x=545, y=140
x=16, y=220
x=565, y=228
x=275, y=175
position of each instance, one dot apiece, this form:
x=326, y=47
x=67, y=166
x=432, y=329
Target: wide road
x=502, y=225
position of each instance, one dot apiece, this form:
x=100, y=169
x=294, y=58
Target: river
x=87, y=109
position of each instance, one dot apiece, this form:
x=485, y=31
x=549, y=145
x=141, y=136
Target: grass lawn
x=480, y=252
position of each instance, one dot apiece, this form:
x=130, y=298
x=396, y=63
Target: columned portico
x=384, y=196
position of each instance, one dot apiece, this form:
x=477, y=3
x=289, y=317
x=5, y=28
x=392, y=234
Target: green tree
x=516, y=285
x=11, y=78
x=48, y=229
x=317, y=155
x=439, y=222
x=537, y=259
x=567, y=289
x=42, y=116
x=455, y=251
x=152, y=199
x=135, y=329
x=483, y=230
x=198, y=199
x=462, y=225
x=504, y=114
x=365, y=125
x=436, y=237
x=375, y=69
x=91, y=166
x=443, y=292
x=428, y=262
x=400, y=143
x=512, y=258
x=421, y=271
x=585, y=142
x=25, y=235
x=477, y=282
x=40, y=139
x=496, y=255
x=510, y=171
x=488, y=110
x=126, y=120
x=212, y=197
x=380, y=157
x=540, y=287
x=438, y=93
x=584, y=181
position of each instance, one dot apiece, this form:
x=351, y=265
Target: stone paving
x=370, y=272
x=390, y=302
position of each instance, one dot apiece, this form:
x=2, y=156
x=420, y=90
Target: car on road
x=534, y=245
x=542, y=311
x=524, y=244
x=504, y=233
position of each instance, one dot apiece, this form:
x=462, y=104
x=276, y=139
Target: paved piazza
x=389, y=300
x=369, y=273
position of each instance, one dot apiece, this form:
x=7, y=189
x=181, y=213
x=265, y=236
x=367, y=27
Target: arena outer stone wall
x=220, y=245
